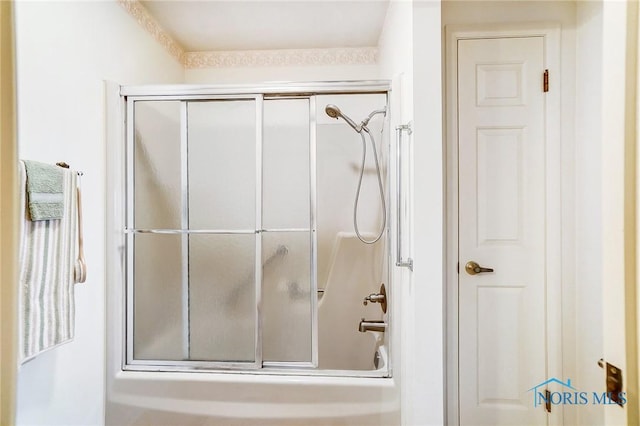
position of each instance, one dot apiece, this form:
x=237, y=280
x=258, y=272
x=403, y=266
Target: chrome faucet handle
x=380, y=298
x=374, y=298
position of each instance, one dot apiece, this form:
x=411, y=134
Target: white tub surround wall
x=65, y=50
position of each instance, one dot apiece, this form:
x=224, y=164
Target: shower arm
x=363, y=125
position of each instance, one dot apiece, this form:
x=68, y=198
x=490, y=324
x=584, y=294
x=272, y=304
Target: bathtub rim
x=320, y=395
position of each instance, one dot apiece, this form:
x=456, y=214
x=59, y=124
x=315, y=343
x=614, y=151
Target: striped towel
x=47, y=255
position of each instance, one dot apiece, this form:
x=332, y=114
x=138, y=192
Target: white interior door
x=502, y=314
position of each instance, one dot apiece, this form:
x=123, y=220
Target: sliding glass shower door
x=220, y=233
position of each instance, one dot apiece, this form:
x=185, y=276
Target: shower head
x=334, y=112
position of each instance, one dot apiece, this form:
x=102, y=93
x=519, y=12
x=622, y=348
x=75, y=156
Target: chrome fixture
x=334, y=112
x=373, y=325
x=374, y=298
x=376, y=359
x=408, y=262
x=380, y=298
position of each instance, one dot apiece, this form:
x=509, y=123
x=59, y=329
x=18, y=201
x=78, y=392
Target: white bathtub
x=185, y=399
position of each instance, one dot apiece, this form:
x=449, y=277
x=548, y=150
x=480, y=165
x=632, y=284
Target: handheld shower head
x=334, y=112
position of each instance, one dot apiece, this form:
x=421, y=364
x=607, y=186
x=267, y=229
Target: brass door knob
x=473, y=268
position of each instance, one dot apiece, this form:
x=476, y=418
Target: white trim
x=259, y=129
x=313, y=224
x=184, y=223
x=115, y=222
x=281, y=57
x=247, y=91
x=151, y=26
x=556, y=236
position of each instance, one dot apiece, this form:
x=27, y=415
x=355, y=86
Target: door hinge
x=545, y=81
x=547, y=400
x=614, y=383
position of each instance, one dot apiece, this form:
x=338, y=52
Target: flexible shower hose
x=379, y=174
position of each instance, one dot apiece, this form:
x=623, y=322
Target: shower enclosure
x=249, y=225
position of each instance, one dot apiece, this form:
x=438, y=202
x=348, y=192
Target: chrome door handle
x=473, y=268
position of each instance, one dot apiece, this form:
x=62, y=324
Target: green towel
x=44, y=190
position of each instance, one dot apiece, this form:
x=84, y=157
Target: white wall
x=495, y=12
x=242, y=75
x=396, y=63
x=395, y=57
x=618, y=145
x=426, y=388
x=588, y=217
x=64, y=52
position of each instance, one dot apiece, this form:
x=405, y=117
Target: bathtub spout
x=373, y=325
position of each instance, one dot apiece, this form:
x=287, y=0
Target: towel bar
x=80, y=270
x=66, y=166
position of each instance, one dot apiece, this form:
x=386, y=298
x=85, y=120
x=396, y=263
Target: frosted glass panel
x=157, y=164
x=338, y=161
x=222, y=164
x=222, y=297
x=157, y=319
x=286, y=295
x=285, y=163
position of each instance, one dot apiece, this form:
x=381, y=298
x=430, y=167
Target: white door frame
x=556, y=251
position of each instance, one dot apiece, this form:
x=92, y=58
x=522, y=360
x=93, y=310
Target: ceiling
x=214, y=25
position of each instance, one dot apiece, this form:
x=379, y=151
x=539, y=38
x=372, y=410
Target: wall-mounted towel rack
x=80, y=269
x=66, y=166
x=408, y=262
